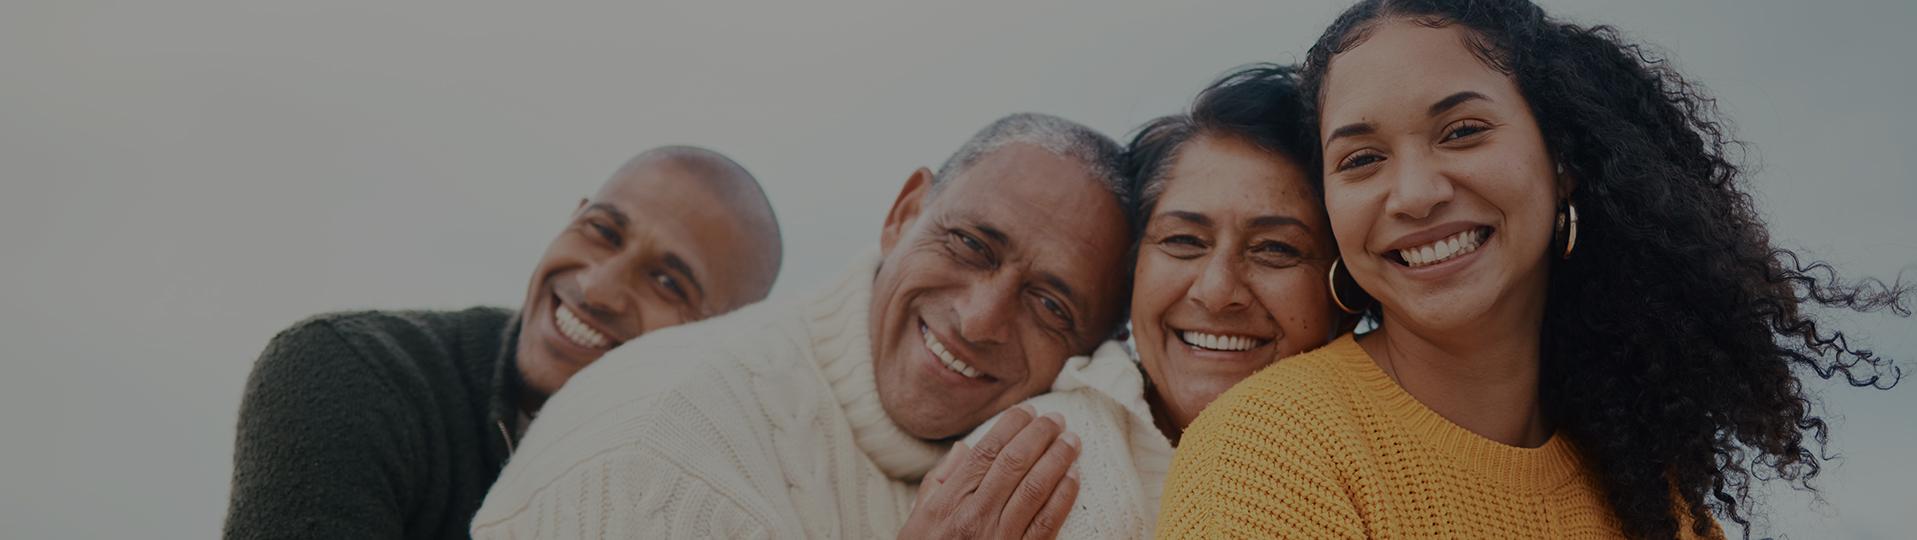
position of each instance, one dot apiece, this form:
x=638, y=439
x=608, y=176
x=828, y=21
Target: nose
x=606, y=287
x=1218, y=287
x=1418, y=189
x=985, y=311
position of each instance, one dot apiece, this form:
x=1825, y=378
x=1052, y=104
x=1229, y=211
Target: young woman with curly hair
x=1582, y=326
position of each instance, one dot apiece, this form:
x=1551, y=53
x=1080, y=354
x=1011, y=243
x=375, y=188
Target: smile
x=946, y=357
x=577, y=331
x=1448, y=248
x=1220, y=342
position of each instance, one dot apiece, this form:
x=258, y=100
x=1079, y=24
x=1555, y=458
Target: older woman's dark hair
x=1676, y=334
x=1260, y=104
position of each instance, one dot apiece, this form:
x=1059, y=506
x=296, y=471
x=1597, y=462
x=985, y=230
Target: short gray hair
x=1102, y=156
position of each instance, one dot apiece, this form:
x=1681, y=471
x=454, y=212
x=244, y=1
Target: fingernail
x=1072, y=474
x=1027, y=407
x=1071, y=439
x=1055, y=417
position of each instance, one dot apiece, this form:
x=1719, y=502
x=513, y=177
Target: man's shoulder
x=410, y=324
x=401, y=347
x=680, y=407
x=707, y=364
x=757, y=337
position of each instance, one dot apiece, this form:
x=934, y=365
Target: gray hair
x=1102, y=156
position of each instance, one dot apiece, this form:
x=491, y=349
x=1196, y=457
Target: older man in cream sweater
x=816, y=416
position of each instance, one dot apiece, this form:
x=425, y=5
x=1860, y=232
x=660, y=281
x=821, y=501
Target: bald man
x=393, y=424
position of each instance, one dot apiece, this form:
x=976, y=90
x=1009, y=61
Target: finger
x=926, y=488
x=1036, y=489
x=952, y=458
x=1051, y=519
x=936, y=477
x=967, y=475
x=1016, y=460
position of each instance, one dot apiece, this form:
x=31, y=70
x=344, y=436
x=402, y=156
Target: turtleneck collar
x=842, y=346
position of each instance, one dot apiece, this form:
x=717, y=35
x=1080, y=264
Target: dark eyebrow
x=994, y=235
x=1351, y=130
x=618, y=216
x=1453, y=101
x=1183, y=215
x=676, y=263
x=1273, y=221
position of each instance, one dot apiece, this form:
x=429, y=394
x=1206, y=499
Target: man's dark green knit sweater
x=375, y=425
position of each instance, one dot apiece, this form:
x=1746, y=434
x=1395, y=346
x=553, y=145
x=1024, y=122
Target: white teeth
x=1443, y=250
x=577, y=332
x=946, y=357
x=1219, y=343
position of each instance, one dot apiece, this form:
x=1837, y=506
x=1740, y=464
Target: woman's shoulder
x=1102, y=389
x=1313, y=380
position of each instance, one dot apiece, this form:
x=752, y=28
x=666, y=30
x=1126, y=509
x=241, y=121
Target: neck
x=530, y=401
x=1162, y=414
x=1485, y=380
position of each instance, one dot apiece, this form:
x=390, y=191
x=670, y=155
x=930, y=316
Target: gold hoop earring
x=1331, y=279
x=1568, y=228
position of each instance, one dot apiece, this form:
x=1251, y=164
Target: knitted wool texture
x=374, y=424
x=1122, y=457
x=1326, y=445
x=760, y=424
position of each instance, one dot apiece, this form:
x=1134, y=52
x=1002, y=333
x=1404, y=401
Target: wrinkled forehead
x=1406, y=64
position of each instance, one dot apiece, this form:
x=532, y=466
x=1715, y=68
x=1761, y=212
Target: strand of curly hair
x=1674, y=339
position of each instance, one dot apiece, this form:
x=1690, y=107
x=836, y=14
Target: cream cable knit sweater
x=1124, y=459
x=760, y=424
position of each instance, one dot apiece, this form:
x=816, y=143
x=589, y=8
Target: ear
x=905, y=210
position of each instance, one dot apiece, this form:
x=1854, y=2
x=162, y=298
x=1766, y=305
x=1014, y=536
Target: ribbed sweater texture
x=1122, y=457
x=374, y=424
x=1326, y=445
x=760, y=424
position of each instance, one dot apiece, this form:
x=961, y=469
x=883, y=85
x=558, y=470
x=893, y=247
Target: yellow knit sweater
x=1325, y=445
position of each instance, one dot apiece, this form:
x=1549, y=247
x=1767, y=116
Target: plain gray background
x=182, y=179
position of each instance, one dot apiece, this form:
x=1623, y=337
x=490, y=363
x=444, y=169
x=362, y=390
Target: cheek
x=1523, y=196
x=1350, y=210
x=1159, y=284
x=656, y=313
x=1298, y=300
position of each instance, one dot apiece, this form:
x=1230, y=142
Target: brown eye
x=607, y=234
x=969, y=249
x=1055, y=310
x=1464, y=130
x=1182, y=246
x=671, y=284
x=1276, y=254
x=1359, y=160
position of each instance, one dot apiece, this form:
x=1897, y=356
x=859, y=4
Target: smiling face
x=656, y=247
x=1231, y=273
x=988, y=285
x=1438, y=183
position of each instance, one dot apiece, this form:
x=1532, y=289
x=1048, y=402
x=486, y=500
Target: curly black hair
x=1261, y=104
x=1675, y=337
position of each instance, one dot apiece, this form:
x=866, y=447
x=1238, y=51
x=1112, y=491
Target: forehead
x=674, y=210
x=1404, y=66
x=1049, y=205
x=1221, y=174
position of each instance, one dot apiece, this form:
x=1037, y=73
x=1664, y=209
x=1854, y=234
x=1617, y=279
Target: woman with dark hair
x=1229, y=277
x=1582, y=327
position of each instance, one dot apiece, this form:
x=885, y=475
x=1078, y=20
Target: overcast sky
x=179, y=180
